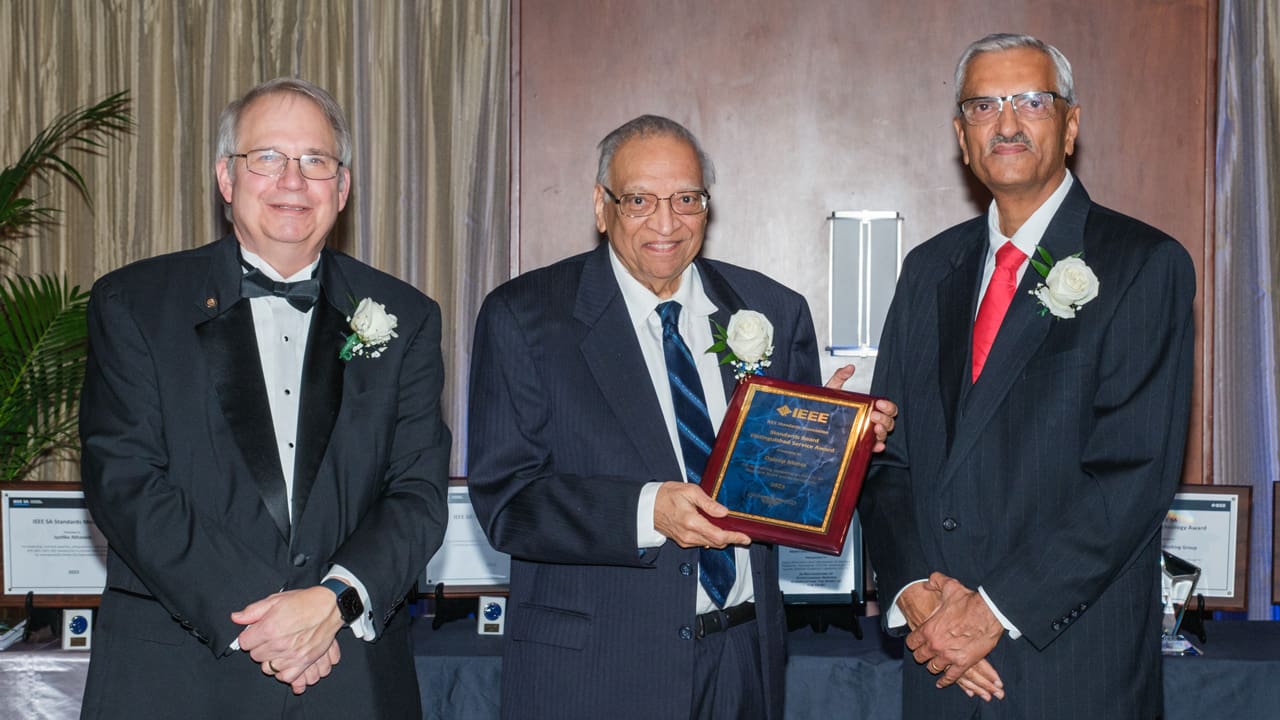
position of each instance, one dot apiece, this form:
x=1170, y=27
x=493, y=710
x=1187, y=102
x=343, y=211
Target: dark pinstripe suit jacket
x=565, y=428
x=1046, y=481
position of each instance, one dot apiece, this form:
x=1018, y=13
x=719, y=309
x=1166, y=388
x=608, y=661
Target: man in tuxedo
x=270, y=477
x=592, y=397
x=1014, y=519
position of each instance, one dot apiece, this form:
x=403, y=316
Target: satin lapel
x=957, y=299
x=728, y=302
x=231, y=352
x=322, y=381
x=613, y=355
x=1022, y=332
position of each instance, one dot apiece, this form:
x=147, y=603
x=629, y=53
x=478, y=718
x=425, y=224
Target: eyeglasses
x=272, y=163
x=685, y=202
x=1034, y=105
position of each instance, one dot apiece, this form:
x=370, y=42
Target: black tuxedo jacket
x=565, y=429
x=1047, y=480
x=182, y=475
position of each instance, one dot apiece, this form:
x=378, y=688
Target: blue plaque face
x=788, y=459
x=79, y=624
x=789, y=462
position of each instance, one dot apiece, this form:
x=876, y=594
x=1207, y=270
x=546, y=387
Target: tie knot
x=669, y=311
x=1009, y=256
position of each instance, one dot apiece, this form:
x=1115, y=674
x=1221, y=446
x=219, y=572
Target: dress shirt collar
x=1028, y=236
x=641, y=301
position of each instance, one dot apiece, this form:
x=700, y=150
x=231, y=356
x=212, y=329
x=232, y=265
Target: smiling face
x=283, y=219
x=1019, y=160
x=657, y=248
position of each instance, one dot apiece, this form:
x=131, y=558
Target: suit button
x=686, y=569
x=686, y=633
x=1084, y=606
x=1056, y=626
x=1066, y=621
x=1075, y=613
x=299, y=560
x=950, y=524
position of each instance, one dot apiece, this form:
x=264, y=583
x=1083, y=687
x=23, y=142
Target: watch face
x=349, y=605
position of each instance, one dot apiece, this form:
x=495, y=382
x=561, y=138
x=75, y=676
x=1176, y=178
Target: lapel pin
x=211, y=303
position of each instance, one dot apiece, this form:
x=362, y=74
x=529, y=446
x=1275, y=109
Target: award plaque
x=789, y=462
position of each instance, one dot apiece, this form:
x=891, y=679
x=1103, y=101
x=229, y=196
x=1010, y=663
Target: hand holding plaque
x=789, y=462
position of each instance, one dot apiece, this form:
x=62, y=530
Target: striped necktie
x=715, y=566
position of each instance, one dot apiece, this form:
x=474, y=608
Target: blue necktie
x=715, y=567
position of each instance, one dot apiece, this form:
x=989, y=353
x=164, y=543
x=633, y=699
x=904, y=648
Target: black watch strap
x=348, y=598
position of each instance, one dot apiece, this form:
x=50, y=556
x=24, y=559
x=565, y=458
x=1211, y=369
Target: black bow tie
x=302, y=294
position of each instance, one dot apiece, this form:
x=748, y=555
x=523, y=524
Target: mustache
x=1018, y=138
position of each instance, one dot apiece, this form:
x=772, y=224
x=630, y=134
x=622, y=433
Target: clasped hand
x=292, y=635
x=953, y=631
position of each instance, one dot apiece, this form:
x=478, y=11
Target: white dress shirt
x=1027, y=239
x=695, y=329
x=282, y=333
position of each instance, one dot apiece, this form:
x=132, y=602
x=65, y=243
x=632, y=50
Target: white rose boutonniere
x=1068, y=284
x=374, y=327
x=747, y=343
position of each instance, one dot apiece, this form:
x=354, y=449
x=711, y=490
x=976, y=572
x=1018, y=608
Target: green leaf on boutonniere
x=1042, y=267
x=721, y=337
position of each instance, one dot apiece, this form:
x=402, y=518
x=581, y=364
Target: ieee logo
x=803, y=414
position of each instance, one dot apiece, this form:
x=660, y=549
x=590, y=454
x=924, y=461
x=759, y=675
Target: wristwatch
x=349, y=605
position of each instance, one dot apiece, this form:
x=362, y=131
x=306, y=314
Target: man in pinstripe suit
x=576, y=465
x=1014, y=518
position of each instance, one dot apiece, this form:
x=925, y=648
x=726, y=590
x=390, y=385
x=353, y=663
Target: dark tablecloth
x=835, y=675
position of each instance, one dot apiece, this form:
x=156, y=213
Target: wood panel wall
x=812, y=106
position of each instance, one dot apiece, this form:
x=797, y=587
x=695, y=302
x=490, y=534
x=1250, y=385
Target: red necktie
x=1004, y=282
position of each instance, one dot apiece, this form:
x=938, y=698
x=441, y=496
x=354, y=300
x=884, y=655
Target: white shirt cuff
x=646, y=536
x=1014, y=632
x=362, y=626
x=894, y=617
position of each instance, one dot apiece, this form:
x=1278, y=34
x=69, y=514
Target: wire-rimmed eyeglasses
x=1033, y=105
x=685, y=202
x=269, y=162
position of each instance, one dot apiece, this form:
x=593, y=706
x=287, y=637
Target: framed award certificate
x=789, y=462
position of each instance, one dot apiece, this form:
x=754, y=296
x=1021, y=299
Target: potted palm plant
x=43, y=338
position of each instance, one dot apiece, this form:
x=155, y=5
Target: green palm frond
x=85, y=129
x=43, y=345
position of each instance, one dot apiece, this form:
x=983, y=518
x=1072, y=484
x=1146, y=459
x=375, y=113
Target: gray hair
x=647, y=126
x=1006, y=41
x=229, y=121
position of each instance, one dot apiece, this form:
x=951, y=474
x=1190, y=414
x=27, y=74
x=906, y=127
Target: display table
x=42, y=681
x=833, y=674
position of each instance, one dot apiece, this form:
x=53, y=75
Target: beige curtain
x=425, y=86
x=1246, y=436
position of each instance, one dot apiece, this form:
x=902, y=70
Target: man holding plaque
x=590, y=387
x=1042, y=356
